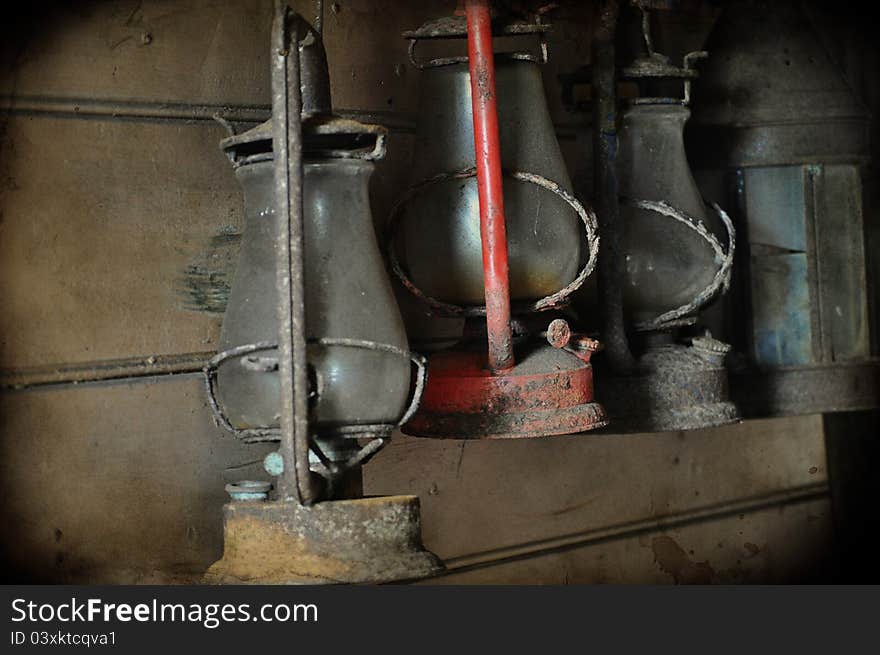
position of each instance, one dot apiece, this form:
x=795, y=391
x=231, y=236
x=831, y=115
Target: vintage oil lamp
x=313, y=350
x=665, y=374
x=491, y=232
x=779, y=133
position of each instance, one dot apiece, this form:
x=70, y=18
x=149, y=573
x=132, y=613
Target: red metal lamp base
x=548, y=392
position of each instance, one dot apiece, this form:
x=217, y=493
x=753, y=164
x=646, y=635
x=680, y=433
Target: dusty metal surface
x=672, y=387
x=368, y=540
x=718, y=283
x=797, y=390
x=657, y=274
x=548, y=392
x=655, y=65
x=611, y=267
x=472, y=394
x=790, y=134
x=780, y=100
x=672, y=241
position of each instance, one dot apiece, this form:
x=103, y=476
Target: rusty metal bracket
x=553, y=301
x=455, y=27
x=248, y=435
x=657, y=65
x=332, y=471
x=295, y=483
x=719, y=283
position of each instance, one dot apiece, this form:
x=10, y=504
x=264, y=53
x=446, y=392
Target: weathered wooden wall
x=119, y=220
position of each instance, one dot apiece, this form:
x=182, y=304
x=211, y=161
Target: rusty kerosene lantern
x=780, y=133
x=490, y=231
x=670, y=261
x=313, y=349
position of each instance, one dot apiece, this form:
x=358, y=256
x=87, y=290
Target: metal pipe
x=194, y=113
x=610, y=265
x=295, y=482
x=493, y=233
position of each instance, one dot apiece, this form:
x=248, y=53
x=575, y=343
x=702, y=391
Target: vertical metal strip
x=493, y=232
x=610, y=264
x=819, y=323
x=295, y=482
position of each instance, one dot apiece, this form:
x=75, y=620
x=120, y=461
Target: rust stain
x=752, y=548
x=672, y=559
x=483, y=85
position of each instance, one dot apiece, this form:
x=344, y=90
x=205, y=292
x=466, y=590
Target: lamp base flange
x=673, y=387
x=365, y=540
x=549, y=392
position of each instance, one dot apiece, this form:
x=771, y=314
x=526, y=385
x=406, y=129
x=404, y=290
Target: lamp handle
x=269, y=364
x=719, y=283
x=553, y=301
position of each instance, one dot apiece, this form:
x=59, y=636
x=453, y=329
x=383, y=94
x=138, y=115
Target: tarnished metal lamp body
x=358, y=391
x=667, y=263
x=311, y=298
x=440, y=245
x=348, y=296
x=779, y=132
x=677, y=256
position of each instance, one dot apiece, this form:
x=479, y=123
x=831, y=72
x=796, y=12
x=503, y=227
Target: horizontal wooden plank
x=105, y=230
x=120, y=239
x=753, y=548
x=478, y=496
x=118, y=482
x=207, y=52
x=123, y=482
